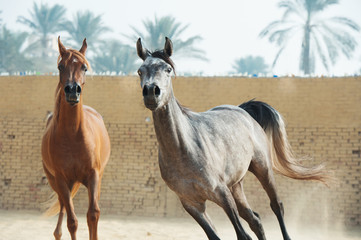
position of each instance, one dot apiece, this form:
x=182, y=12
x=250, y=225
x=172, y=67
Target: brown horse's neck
x=69, y=117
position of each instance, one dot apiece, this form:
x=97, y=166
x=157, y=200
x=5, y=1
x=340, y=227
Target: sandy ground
x=15, y=225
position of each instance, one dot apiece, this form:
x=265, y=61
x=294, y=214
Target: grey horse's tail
x=283, y=159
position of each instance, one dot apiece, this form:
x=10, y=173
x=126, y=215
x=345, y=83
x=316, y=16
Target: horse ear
x=168, y=47
x=83, y=47
x=142, y=52
x=62, y=49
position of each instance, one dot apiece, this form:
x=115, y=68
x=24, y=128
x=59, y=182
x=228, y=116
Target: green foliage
x=115, y=57
x=250, y=65
x=323, y=38
x=11, y=58
x=44, y=21
x=85, y=25
x=159, y=28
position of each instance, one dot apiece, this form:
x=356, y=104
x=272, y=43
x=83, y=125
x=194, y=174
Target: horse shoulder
x=48, y=130
x=92, y=112
x=46, y=144
x=97, y=126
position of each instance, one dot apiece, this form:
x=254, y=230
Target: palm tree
x=44, y=21
x=324, y=38
x=251, y=65
x=12, y=59
x=167, y=26
x=116, y=57
x=85, y=25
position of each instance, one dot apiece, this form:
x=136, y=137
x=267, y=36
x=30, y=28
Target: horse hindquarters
x=282, y=156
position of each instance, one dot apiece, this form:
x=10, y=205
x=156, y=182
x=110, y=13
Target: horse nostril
x=151, y=91
x=78, y=89
x=157, y=91
x=67, y=89
x=145, y=91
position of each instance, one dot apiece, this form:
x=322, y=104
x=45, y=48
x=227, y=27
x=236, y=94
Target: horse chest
x=186, y=177
x=70, y=157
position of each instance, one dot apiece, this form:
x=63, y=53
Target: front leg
x=58, y=232
x=63, y=191
x=198, y=211
x=93, y=211
x=223, y=197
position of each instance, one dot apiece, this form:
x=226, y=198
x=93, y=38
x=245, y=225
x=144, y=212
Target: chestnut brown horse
x=75, y=146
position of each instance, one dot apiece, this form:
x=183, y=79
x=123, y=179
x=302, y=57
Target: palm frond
x=342, y=39
x=86, y=24
x=159, y=28
x=345, y=22
x=327, y=37
x=291, y=7
x=280, y=36
x=321, y=53
x=278, y=55
x=270, y=27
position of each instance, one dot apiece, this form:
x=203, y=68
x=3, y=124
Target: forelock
x=162, y=55
x=73, y=56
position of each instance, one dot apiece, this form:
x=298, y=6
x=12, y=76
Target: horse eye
x=139, y=73
x=84, y=67
x=61, y=67
x=169, y=70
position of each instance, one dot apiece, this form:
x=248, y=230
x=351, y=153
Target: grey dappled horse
x=205, y=156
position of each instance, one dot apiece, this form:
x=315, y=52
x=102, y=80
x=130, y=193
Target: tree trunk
x=44, y=46
x=306, y=48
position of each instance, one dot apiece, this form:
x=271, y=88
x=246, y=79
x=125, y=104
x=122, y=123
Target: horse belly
x=190, y=188
x=227, y=143
x=237, y=160
x=190, y=183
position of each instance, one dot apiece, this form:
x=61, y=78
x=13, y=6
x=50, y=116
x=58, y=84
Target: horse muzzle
x=151, y=96
x=72, y=93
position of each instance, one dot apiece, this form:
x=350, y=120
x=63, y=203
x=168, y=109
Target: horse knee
x=72, y=224
x=256, y=226
x=57, y=234
x=93, y=215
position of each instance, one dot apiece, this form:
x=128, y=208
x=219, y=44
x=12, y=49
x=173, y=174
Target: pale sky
x=229, y=29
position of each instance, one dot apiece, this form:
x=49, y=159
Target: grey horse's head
x=155, y=75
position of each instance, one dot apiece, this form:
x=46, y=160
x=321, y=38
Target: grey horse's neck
x=172, y=127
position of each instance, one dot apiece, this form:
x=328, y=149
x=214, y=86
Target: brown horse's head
x=72, y=66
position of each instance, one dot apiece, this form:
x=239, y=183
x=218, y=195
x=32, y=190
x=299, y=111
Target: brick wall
x=323, y=117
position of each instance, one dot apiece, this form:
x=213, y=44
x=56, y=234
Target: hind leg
x=264, y=174
x=245, y=211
